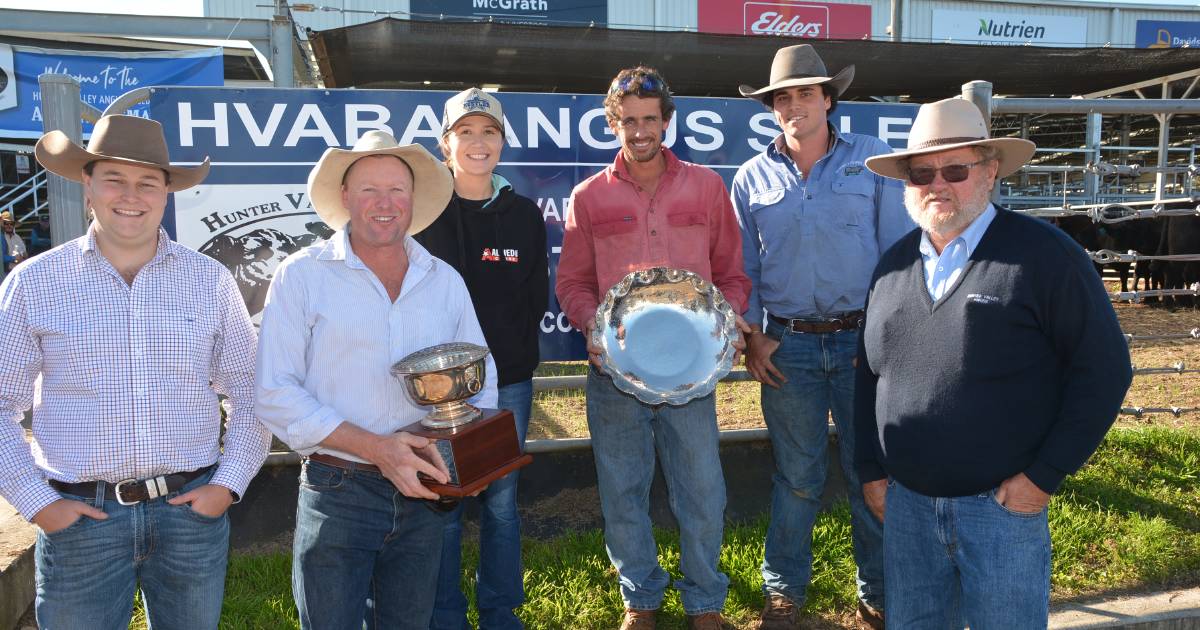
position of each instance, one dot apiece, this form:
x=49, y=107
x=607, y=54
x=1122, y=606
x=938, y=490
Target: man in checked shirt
x=121, y=340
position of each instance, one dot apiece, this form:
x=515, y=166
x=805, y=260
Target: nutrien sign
x=812, y=20
x=1007, y=29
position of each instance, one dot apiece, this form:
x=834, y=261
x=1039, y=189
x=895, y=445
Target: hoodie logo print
x=494, y=254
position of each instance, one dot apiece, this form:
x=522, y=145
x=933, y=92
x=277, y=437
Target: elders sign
x=812, y=20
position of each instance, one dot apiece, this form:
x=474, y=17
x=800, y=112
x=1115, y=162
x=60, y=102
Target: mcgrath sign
x=1164, y=34
x=102, y=77
x=787, y=18
x=253, y=210
x=562, y=12
x=1008, y=29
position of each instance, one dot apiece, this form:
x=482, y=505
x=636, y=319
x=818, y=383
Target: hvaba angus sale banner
x=253, y=210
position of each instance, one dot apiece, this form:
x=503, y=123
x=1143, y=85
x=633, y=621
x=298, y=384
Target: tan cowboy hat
x=432, y=182
x=799, y=65
x=126, y=139
x=952, y=124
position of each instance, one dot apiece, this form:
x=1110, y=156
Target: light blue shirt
x=810, y=242
x=330, y=334
x=942, y=271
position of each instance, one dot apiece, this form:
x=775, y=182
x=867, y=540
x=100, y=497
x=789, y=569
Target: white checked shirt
x=123, y=380
x=330, y=334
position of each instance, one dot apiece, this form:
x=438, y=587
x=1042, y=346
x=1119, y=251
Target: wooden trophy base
x=476, y=453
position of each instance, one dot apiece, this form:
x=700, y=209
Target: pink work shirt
x=615, y=227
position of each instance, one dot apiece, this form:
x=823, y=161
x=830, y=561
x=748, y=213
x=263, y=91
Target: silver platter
x=666, y=335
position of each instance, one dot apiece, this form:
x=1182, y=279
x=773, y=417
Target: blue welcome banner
x=253, y=209
x=102, y=76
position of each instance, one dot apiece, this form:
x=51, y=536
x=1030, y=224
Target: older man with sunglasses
x=990, y=368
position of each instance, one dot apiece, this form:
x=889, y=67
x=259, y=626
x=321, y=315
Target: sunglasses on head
x=952, y=173
x=648, y=83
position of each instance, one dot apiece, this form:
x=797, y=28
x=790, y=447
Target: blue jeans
x=87, y=573
x=363, y=552
x=964, y=560
x=625, y=434
x=498, y=587
x=820, y=373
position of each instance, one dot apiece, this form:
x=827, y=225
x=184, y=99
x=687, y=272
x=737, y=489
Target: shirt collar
x=970, y=236
x=498, y=184
x=338, y=248
x=621, y=168
x=776, y=149
x=166, y=247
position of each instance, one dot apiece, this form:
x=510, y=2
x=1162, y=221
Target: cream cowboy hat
x=799, y=65
x=432, y=182
x=952, y=124
x=126, y=139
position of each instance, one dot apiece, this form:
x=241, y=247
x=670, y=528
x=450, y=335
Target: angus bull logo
x=253, y=256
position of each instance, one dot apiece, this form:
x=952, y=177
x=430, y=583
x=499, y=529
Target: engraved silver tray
x=666, y=335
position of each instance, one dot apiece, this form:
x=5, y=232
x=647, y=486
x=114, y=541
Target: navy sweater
x=1020, y=367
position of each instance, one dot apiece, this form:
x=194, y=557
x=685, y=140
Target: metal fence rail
x=1194, y=334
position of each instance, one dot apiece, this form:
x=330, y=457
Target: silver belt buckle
x=117, y=491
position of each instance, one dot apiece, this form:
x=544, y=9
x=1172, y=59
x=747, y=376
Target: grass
x=1130, y=520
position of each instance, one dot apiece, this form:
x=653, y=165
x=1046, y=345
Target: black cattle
x=1181, y=235
x=253, y=257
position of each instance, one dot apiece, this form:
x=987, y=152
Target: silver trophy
x=444, y=376
x=477, y=446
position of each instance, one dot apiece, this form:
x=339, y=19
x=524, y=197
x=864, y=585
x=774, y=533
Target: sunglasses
x=648, y=83
x=952, y=173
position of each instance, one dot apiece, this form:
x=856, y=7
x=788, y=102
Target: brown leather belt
x=345, y=464
x=132, y=491
x=844, y=321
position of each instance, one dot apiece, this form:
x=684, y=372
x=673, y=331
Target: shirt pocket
x=615, y=226
x=686, y=218
x=855, y=206
x=765, y=199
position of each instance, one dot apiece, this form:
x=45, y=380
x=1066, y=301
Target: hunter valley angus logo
x=249, y=229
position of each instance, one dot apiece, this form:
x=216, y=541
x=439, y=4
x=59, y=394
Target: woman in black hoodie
x=496, y=239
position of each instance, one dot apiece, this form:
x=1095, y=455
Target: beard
x=641, y=155
x=966, y=209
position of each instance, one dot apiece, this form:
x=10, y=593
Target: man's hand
x=739, y=344
x=594, y=352
x=875, y=496
x=208, y=500
x=758, y=359
x=400, y=456
x=63, y=513
x=1019, y=494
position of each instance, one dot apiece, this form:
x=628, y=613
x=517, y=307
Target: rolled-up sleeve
x=283, y=404
x=246, y=439
x=577, y=287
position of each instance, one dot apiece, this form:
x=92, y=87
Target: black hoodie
x=499, y=248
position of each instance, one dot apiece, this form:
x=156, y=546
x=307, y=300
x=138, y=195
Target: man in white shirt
x=338, y=315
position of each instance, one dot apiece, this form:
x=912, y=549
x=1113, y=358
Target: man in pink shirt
x=651, y=209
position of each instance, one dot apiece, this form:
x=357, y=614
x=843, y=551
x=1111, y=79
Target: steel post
x=1091, y=180
x=281, y=47
x=1164, y=141
x=62, y=110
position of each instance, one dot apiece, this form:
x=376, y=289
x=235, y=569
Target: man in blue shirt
x=814, y=222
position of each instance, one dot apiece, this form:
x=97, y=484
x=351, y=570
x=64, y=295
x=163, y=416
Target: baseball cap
x=470, y=102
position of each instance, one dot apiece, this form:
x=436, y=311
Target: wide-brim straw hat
x=126, y=139
x=432, y=183
x=950, y=124
x=799, y=65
